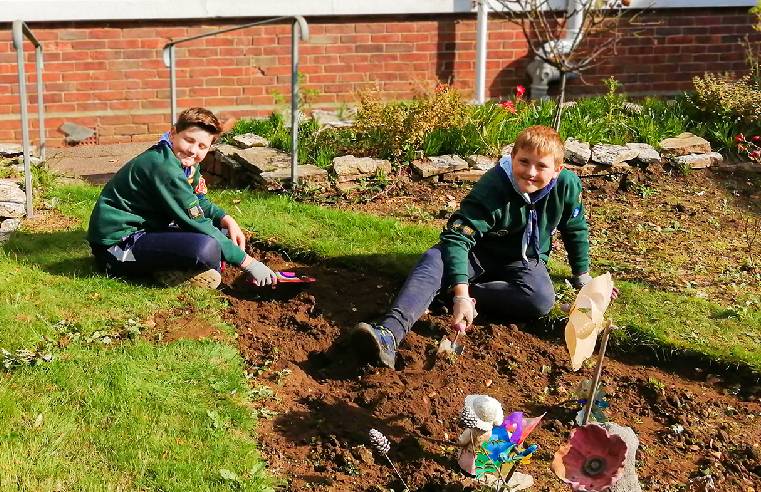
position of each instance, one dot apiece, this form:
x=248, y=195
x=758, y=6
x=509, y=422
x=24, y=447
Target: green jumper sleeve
x=210, y=210
x=573, y=227
x=479, y=211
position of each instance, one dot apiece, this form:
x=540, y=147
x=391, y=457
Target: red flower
x=592, y=459
x=755, y=154
x=520, y=91
x=756, y=138
x=742, y=148
x=508, y=105
x=740, y=138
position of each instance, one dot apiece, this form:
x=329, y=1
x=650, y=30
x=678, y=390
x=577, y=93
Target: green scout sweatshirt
x=149, y=193
x=492, y=217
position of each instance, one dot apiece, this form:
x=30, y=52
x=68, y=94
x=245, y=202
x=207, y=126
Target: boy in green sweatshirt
x=493, y=251
x=153, y=217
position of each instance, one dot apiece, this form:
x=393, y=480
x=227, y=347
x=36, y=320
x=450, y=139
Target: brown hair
x=542, y=140
x=201, y=118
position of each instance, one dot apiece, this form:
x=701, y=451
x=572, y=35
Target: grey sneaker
x=207, y=279
x=376, y=343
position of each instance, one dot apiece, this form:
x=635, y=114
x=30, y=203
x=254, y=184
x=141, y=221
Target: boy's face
x=191, y=145
x=533, y=171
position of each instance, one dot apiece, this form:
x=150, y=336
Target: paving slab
x=93, y=163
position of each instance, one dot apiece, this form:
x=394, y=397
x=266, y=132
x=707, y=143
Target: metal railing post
x=18, y=44
x=40, y=103
x=299, y=31
x=294, y=103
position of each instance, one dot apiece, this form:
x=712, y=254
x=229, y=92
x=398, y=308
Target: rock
x=306, y=173
x=466, y=176
x=507, y=149
x=629, y=481
x=748, y=167
x=346, y=186
x=10, y=149
x=333, y=118
x=350, y=168
x=698, y=161
x=577, y=152
x=76, y=133
x=441, y=164
x=363, y=454
x=248, y=140
x=11, y=192
x=683, y=144
x=33, y=161
x=12, y=209
x=9, y=225
x=257, y=159
x=481, y=162
x=610, y=155
x=646, y=153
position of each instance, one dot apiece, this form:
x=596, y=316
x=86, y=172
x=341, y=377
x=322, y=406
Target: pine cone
x=468, y=418
x=379, y=442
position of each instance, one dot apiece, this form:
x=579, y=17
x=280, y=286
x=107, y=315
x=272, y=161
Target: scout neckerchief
x=531, y=232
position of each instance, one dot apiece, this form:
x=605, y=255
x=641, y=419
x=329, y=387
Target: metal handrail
x=21, y=30
x=299, y=29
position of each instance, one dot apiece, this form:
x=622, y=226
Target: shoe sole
x=367, y=345
x=207, y=279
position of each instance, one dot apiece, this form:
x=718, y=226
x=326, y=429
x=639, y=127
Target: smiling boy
x=153, y=216
x=493, y=251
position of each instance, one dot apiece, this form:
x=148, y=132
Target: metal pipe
x=40, y=102
x=18, y=43
x=481, y=38
x=294, y=104
x=299, y=30
x=172, y=85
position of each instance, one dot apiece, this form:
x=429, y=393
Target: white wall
x=66, y=10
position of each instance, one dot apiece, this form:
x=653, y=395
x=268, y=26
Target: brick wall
x=111, y=76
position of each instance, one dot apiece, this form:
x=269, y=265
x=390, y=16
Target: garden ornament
x=593, y=460
x=381, y=444
x=586, y=319
x=492, y=446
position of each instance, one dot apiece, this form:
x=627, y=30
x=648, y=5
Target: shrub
x=728, y=98
x=397, y=129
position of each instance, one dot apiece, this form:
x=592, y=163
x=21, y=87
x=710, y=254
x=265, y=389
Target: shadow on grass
x=63, y=253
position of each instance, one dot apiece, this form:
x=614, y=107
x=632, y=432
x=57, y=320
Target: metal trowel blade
x=446, y=346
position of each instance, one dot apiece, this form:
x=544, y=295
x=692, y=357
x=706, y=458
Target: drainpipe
x=541, y=72
x=481, y=36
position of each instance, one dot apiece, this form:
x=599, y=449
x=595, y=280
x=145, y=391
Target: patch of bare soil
x=698, y=233
x=314, y=430
x=49, y=220
x=180, y=324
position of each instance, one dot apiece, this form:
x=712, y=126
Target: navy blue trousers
x=143, y=253
x=513, y=290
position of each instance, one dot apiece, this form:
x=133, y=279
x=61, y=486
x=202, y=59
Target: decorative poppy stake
x=381, y=444
x=593, y=459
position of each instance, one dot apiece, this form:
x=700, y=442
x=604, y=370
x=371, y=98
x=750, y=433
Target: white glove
x=260, y=273
x=463, y=311
x=579, y=281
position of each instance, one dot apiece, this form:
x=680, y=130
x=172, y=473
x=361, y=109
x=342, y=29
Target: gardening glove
x=463, y=312
x=579, y=281
x=260, y=273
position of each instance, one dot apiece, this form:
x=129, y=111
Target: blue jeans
x=143, y=253
x=512, y=290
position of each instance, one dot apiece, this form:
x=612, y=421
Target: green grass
x=129, y=415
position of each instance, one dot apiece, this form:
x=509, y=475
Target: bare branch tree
x=573, y=41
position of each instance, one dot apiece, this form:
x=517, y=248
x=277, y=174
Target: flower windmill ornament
x=492, y=446
x=586, y=321
x=593, y=460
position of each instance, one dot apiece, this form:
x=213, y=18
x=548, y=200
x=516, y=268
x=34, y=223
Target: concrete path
x=94, y=163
